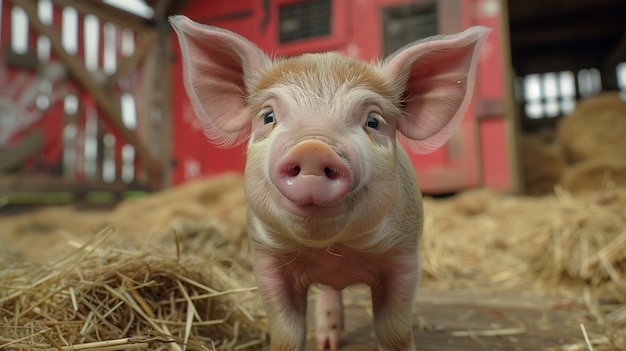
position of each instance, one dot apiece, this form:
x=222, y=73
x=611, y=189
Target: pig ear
x=218, y=66
x=437, y=77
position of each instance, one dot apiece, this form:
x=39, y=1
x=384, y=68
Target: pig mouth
x=314, y=209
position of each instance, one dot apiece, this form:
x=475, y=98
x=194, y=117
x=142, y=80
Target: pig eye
x=268, y=117
x=372, y=122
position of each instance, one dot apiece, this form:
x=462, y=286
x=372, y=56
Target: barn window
x=129, y=118
x=548, y=94
x=69, y=30
x=108, y=158
x=44, y=10
x=621, y=79
x=92, y=42
x=129, y=115
x=19, y=31
x=552, y=94
x=69, y=156
x=304, y=20
x=532, y=95
x=90, y=152
x=567, y=87
x=109, y=55
x=70, y=105
x=403, y=24
x=127, y=45
x=128, y=163
x=589, y=82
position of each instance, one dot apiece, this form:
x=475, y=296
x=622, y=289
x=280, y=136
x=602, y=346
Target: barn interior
x=562, y=53
x=139, y=261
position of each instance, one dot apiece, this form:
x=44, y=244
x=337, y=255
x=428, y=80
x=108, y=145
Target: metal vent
x=404, y=24
x=304, y=20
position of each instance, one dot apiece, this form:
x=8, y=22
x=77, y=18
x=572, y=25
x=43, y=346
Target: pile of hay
x=573, y=246
x=105, y=298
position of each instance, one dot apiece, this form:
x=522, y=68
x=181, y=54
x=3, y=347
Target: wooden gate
x=84, y=96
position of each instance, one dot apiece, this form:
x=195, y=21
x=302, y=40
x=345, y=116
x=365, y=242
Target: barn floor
x=480, y=320
x=500, y=272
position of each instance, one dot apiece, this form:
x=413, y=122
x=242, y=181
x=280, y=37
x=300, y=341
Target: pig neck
x=337, y=266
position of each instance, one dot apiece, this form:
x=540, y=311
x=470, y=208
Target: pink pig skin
x=332, y=196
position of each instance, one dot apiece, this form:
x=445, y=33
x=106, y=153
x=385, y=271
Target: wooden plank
x=27, y=146
x=12, y=184
x=164, y=89
x=103, y=99
x=512, y=120
x=148, y=125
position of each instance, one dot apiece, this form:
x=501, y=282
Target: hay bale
x=596, y=128
x=543, y=162
x=595, y=174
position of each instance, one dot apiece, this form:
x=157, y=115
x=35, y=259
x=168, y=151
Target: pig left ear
x=218, y=67
x=437, y=78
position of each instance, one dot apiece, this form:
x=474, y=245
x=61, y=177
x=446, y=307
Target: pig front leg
x=328, y=318
x=285, y=302
x=393, y=300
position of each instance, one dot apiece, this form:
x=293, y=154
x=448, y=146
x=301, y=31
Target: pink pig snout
x=311, y=173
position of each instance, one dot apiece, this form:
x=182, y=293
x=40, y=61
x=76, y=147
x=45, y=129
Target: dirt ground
x=501, y=272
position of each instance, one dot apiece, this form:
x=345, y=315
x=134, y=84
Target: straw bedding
x=172, y=270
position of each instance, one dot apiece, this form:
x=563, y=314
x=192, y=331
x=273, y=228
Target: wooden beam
x=109, y=106
x=16, y=184
x=617, y=53
x=131, y=62
x=164, y=90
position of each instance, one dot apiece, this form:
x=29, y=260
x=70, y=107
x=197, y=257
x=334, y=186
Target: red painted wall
x=464, y=162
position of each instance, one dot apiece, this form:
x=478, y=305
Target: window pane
x=567, y=83
x=550, y=86
x=532, y=87
x=534, y=109
x=621, y=76
x=19, y=31
x=69, y=30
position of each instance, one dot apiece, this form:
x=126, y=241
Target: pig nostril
x=332, y=173
x=292, y=171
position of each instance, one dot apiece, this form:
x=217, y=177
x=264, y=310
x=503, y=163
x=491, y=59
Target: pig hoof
x=328, y=339
x=328, y=330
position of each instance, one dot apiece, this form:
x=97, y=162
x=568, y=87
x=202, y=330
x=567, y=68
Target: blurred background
x=93, y=109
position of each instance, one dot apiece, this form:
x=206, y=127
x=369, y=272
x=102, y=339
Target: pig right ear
x=218, y=68
x=436, y=78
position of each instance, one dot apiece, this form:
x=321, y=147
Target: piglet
x=332, y=197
